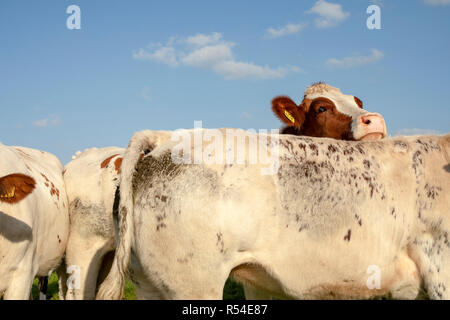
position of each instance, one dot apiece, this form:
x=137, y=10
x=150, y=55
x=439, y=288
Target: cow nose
x=373, y=120
x=366, y=120
x=373, y=125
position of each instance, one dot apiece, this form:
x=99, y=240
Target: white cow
x=91, y=179
x=334, y=211
x=34, y=218
x=98, y=171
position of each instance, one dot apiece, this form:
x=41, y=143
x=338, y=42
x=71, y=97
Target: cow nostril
x=366, y=120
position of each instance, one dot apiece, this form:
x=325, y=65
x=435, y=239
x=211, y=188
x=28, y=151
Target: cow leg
x=251, y=293
x=432, y=256
x=145, y=290
x=62, y=279
x=22, y=280
x=85, y=256
x=198, y=290
x=201, y=280
x=105, y=267
x=190, y=285
x=43, y=285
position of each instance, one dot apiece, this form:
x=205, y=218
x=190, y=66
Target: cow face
x=326, y=112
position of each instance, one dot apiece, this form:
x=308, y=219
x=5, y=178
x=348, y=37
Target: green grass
x=231, y=291
x=52, y=288
x=129, y=292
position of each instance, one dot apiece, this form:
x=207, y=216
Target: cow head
x=326, y=112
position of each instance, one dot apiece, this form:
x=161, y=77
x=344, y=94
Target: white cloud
x=437, y=2
x=208, y=56
x=219, y=58
x=415, y=131
x=52, y=121
x=231, y=69
x=355, y=61
x=211, y=52
x=163, y=54
x=202, y=39
x=284, y=31
x=330, y=14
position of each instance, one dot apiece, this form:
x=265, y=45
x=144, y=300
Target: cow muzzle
x=373, y=127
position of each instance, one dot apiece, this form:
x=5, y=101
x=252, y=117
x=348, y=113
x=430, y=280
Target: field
x=232, y=290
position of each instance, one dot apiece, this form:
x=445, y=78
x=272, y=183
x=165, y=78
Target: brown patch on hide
x=45, y=177
x=348, y=236
x=105, y=162
x=118, y=165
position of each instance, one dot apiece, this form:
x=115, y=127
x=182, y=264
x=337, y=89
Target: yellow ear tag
x=13, y=193
x=289, y=116
x=9, y=194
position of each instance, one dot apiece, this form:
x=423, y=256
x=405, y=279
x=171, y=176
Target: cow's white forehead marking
x=344, y=103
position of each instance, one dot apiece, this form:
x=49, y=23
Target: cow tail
x=140, y=144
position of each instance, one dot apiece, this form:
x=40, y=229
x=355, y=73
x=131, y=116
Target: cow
x=34, y=218
x=92, y=180
x=326, y=112
x=91, y=250
x=337, y=220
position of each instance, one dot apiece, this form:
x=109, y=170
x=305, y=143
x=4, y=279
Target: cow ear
x=288, y=112
x=15, y=187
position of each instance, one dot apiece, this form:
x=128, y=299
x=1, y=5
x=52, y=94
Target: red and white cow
x=91, y=179
x=337, y=220
x=98, y=171
x=34, y=218
x=326, y=112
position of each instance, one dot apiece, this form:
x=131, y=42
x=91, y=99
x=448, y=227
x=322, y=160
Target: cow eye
x=321, y=109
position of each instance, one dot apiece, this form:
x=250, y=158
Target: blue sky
x=138, y=65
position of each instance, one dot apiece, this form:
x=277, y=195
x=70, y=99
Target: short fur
x=332, y=204
x=34, y=218
x=326, y=112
